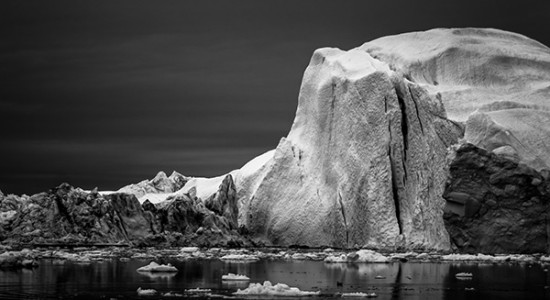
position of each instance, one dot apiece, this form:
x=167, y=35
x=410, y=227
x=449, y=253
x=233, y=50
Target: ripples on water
x=55, y=279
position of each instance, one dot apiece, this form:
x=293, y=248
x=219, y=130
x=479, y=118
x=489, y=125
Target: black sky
x=106, y=93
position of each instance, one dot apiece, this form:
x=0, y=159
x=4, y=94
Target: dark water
x=119, y=280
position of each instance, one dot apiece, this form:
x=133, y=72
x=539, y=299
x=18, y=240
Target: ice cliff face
x=71, y=216
x=362, y=164
x=365, y=161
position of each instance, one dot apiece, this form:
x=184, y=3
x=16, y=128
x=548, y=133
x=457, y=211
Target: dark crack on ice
x=416, y=108
x=404, y=122
x=344, y=217
x=395, y=192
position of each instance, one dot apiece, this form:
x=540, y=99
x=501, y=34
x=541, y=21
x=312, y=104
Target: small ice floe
x=298, y=256
x=142, y=256
x=172, y=294
x=422, y=256
x=359, y=256
x=235, y=277
x=491, y=258
x=240, y=257
x=403, y=256
x=360, y=295
x=464, y=276
x=78, y=258
x=280, y=289
x=198, y=290
x=468, y=257
x=189, y=249
x=146, y=292
x=154, y=267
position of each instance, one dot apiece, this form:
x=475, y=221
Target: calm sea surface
x=114, y=279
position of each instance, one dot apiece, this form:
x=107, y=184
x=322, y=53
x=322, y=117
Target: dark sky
x=106, y=93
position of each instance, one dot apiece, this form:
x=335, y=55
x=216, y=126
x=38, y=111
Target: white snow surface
x=470, y=67
x=280, y=289
x=155, y=197
x=204, y=187
x=255, y=164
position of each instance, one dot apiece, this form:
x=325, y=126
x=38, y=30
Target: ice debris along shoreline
x=154, y=267
x=28, y=257
x=268, y=289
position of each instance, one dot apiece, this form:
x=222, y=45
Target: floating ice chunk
x=485, y=257
x=198, y=291
x=158, y=275
x=360, y=295
x=146, y=292
x=154, y=267
x=280, y=289
x=336, y=259
x=299, y=256
x=189, y=249
x=473, y=257
x=172, y=294
x=359, y=256
x=403, y=256
x=464, y=275
x=545, y=258
x=240, y=257
x=423, y=255
x=235, y=277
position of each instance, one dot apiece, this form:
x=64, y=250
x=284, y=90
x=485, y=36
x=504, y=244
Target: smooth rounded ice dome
x=495, y=83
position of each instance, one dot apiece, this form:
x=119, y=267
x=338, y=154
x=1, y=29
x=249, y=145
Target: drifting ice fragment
x=280, y=289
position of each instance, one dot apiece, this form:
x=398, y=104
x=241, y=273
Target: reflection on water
x=119, y=280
